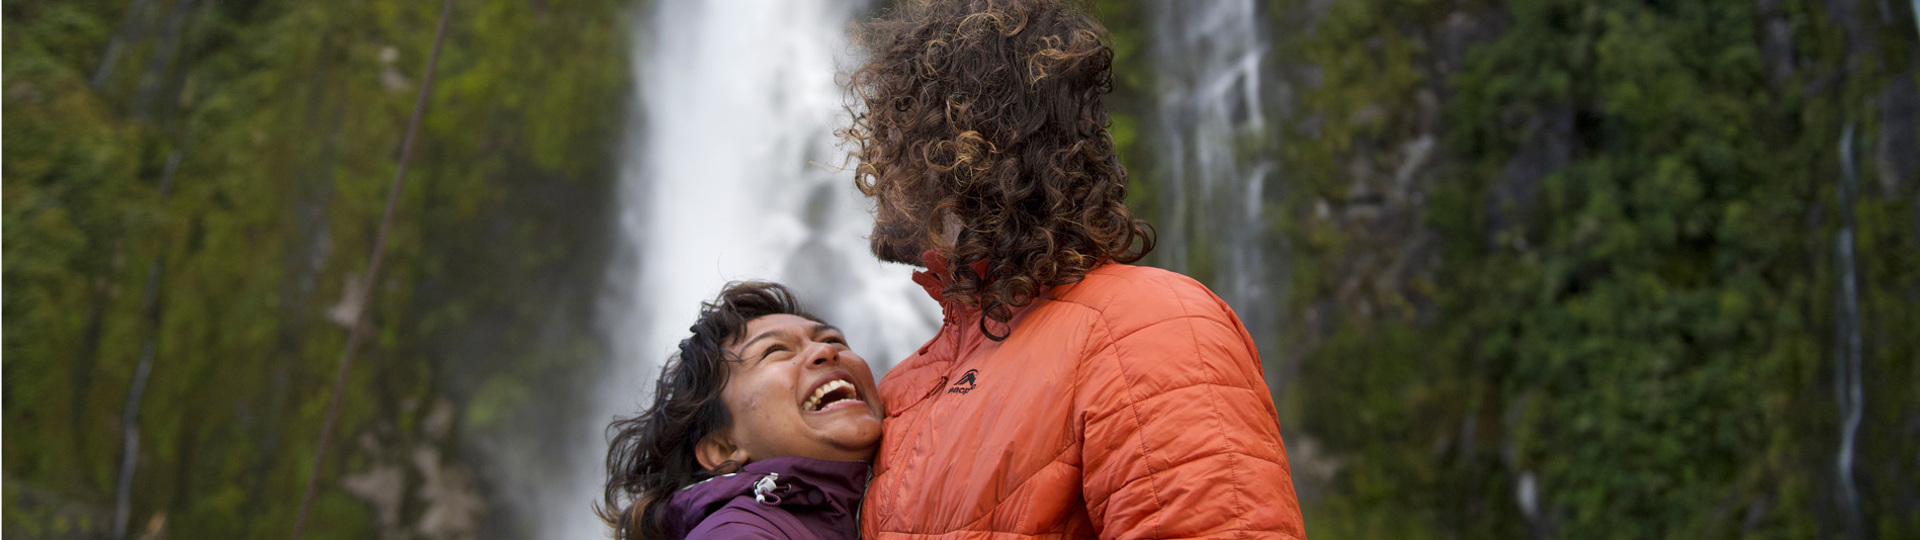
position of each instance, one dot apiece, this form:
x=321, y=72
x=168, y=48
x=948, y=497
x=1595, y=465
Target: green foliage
x=1131, y=99
x=1647, y=331
x=277, y=125
x=1643, y=327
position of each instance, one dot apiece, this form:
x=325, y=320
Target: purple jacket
x=778, y=498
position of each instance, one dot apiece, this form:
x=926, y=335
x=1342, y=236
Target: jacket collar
x=832, y=489
x=938, y=276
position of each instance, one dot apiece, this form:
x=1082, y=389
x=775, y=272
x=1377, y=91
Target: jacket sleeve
x=1180, y=435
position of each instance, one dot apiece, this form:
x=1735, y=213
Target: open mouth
x=831, y=393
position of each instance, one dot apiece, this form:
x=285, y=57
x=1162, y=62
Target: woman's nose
x=820, y=354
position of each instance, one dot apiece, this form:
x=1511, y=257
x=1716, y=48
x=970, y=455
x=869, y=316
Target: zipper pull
x=763, y=490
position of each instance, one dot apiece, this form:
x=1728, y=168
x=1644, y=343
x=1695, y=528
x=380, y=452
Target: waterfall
x=1847, y=370
x=732, y=172
x=1209, y=68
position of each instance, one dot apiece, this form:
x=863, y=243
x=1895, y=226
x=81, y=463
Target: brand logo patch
x=965, y=384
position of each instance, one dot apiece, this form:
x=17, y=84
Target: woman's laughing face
x=796, y=390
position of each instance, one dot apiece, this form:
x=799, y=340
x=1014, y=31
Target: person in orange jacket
x=1068, y=393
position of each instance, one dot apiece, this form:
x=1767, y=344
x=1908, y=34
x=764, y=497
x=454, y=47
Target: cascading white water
x=1209, y=73
x=733, y=172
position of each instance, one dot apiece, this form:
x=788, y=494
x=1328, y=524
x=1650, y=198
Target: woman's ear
x=718, y=454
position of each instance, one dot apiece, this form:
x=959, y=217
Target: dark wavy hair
x=652, y=455
x=989, y=111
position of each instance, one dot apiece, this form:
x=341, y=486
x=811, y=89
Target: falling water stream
x=1211, y=80
x=733, y=172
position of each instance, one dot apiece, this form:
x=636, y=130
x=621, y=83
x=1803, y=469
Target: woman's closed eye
x=771, y=350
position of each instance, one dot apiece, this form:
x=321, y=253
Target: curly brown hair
x=988, y=112
x=653, y=454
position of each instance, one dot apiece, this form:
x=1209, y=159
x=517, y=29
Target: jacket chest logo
x=965, y=384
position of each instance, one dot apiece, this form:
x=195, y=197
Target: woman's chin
x=858, y=436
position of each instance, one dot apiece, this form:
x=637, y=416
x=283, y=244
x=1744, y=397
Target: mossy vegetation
x=1573, y=269
x=231, y=159
x=1557, y=268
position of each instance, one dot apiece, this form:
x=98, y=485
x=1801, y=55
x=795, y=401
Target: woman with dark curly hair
x=1068, y=394
x=761, y=427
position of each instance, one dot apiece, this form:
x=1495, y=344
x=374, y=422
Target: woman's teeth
x=818, y=399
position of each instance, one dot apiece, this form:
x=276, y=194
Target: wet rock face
x=1377, y=203
x=35, y=512
x=415, y=491
x=1776, y=45
x=1549, y=147
x=451, y=500
x=1897, y=152
x=383, y=486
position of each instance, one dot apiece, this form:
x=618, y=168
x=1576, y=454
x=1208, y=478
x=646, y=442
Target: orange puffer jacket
x=1127, y=405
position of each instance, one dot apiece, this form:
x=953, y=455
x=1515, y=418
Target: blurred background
x=1520, y=269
